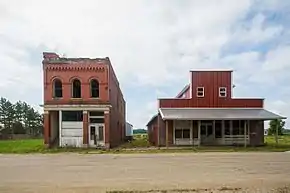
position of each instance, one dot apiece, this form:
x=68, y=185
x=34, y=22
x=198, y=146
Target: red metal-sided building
x=205, y=113
x=83, y=103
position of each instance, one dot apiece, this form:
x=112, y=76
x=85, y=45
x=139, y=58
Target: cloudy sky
x=152, y=45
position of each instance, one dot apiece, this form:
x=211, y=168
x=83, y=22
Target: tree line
x=19, y=118
x=279, y=125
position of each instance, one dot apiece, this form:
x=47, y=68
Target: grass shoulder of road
x=139, y=145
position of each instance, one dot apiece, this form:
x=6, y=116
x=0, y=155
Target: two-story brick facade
x=205, y=113
x=83, y=103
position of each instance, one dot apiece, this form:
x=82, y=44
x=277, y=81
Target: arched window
x=95, y=92
x=57, y=88
x=76, y=89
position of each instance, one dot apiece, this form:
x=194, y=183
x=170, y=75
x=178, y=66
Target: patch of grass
x=140, y=144
x=282, y=140
x=21, y=146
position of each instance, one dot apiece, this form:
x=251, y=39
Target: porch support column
x=85, y=129
x=198, y=133
x=166, y=133
x=231, y=131
x=245, y=133
x=223, y=131
x=60, y=127
x=107, y=129
x=276, y=133
x=213, y=127
x=46, y=130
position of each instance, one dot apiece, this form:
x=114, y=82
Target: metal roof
x=218, y=114
x=152, y=119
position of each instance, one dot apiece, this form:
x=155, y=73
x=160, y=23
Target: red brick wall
x=67, y=69
x=84, y=72
x=118, y=110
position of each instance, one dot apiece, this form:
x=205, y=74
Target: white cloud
x=256, y=31
x=152, y=43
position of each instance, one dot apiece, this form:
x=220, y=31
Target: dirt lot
x=182, y=172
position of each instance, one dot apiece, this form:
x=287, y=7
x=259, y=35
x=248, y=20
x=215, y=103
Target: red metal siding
x=211, y=81
x=199, y=103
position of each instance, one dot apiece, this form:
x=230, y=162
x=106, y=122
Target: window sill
x=94, y=98
x=76, y=99
x=57, y=98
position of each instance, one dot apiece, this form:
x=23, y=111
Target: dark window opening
x=57, y=88
x=209, y=130
x=95, y=89
x=96, y=113
x=242, y=127
x=93, y=133
x=203, y=130
x=101, y=133
x=76, y=90
x=236, y=127
x=97, y=120
x=72, y=116
x=227, y=127
x=218, y=129
x=178, y=133
x=186, y=134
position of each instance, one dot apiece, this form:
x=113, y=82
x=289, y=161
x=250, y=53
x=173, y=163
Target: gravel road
x=85, y=173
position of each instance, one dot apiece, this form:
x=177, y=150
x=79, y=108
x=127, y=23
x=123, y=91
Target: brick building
x=205, y=113
x=83, y=103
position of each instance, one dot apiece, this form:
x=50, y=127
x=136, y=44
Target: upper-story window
x=76, y=88
x=200, y=91
x=95, y=91
x=57, y=88
x=222, y=91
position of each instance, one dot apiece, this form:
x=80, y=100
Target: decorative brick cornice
x=75, y=68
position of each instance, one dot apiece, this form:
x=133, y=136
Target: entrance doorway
x=206, y=132
x=96, y=134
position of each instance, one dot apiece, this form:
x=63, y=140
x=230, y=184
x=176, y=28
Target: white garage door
x=72, y=134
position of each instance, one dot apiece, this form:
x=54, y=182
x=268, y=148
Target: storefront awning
x=217, y=114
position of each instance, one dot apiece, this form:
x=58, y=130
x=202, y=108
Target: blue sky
x=152, y=45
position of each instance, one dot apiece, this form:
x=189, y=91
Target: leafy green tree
x=273, y=125
x=19, y=118
x=7, y=114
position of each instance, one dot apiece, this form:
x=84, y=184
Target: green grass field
x=36, y=146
